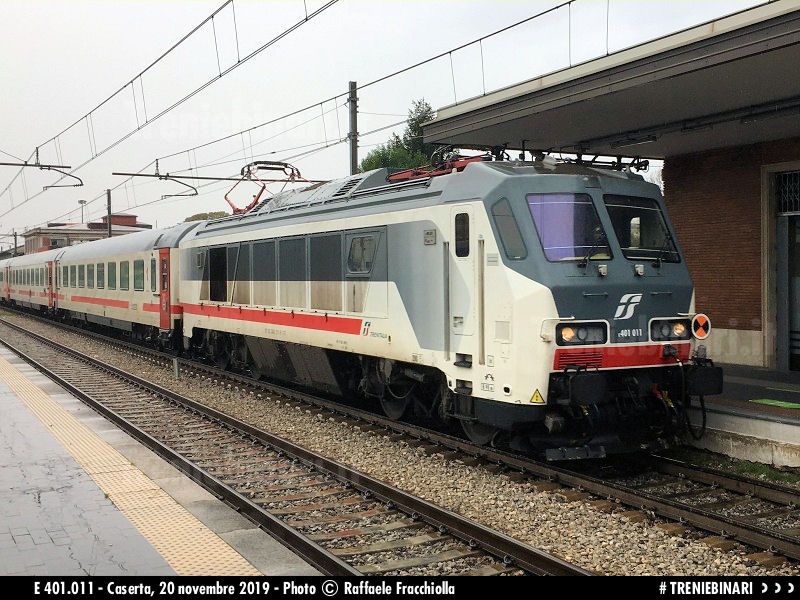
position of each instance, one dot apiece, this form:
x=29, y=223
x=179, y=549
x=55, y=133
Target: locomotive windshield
x=640, y=228
x=568, y=227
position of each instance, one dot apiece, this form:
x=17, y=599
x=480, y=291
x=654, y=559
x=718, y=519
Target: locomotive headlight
x=663, y=330
x=581, y=333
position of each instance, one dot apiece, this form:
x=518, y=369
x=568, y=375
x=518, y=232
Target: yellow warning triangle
x=537, y=398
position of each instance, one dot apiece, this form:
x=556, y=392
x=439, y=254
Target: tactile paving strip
x=186, y=544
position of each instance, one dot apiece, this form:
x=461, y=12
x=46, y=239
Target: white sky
x=59, y=59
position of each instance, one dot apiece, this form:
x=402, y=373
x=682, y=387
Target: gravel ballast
x=602, y=542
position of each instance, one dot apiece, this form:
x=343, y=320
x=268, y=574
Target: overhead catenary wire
x=240, y=61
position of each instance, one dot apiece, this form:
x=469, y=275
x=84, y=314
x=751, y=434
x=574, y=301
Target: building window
x=112, y=275
x=124, y=274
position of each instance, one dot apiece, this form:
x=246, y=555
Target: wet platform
x=78, y=496
x=757, y=417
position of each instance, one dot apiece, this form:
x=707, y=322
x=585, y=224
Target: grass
x=755, y=470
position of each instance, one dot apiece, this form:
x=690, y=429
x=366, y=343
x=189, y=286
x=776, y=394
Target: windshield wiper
x=667, y=239
x=584, y=262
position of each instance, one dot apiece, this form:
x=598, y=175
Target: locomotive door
x=462, y=272
x=163, y=286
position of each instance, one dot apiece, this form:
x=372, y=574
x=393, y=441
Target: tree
x=205, y=216
x=406, y=152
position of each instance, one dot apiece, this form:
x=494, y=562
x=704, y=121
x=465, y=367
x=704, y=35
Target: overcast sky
x=58, y=60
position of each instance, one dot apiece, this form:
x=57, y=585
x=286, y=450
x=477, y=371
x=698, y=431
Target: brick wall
x=714, y=201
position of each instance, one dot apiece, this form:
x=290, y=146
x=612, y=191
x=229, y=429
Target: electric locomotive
x=543, y=305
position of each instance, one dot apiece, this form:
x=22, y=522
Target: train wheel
x=395, y=407
x=479, y=433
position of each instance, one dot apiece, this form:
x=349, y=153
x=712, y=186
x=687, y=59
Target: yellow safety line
x=186, y=544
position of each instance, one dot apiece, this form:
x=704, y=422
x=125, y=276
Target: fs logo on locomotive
x=627, y=304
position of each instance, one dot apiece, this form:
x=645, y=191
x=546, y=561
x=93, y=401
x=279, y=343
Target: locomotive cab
x=611, y=358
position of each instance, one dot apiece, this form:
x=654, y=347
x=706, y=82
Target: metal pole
x=15, y=243
x=353, y=135
x=108, y=211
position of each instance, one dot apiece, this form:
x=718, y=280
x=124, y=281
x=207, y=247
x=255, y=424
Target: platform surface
x=78, y=496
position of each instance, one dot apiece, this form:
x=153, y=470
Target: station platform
x=78, y=496
x=757, y=417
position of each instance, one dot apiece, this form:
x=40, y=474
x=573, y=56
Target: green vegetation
x=407, y=151
x=740, y=467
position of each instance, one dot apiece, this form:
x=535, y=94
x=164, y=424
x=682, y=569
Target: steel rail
x=731, y=527
x=493, y=542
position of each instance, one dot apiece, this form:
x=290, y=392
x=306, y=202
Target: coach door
x=163, y=286
x=7, y=283
x=462, y=273
x=50, y=298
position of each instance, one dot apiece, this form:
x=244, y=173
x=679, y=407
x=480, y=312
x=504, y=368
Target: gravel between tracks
x=601, y=542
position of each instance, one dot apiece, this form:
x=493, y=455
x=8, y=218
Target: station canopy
x=728, y=82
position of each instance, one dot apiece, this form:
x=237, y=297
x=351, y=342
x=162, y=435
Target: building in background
x=60, y=235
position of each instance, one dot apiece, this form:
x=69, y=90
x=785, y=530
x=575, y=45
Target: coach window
x=101, y=275
x=292, y=272
x=36, y=277
x=264, y=273
x=508, y=230
x=65, y=276
x=241, y=291
x=73, y=276
x=325, y=260
x=124, y=274
x=44, y=276
x=90, y=276
x=81, y=276
x=218, y=274
x=138, y=275
x=462, y=234
x=153, y=275
x=112, y=275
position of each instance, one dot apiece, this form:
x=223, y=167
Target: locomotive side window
x=138, y=275
x=73, y=276
x=292, y=272
x=462, y=234
x=325, y=260
x=124, y=274
x=233, y=261
x=640, y=228
x=241, y=293
x=361, y=255
x=568, y=227
x=218, y=274
x=112, y=275
x=153, y=275
x=101, y=275
x=90, y=276
x=264, y=274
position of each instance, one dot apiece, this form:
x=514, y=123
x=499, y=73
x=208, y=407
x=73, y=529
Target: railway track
x=734, y=508
x=341, y=521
